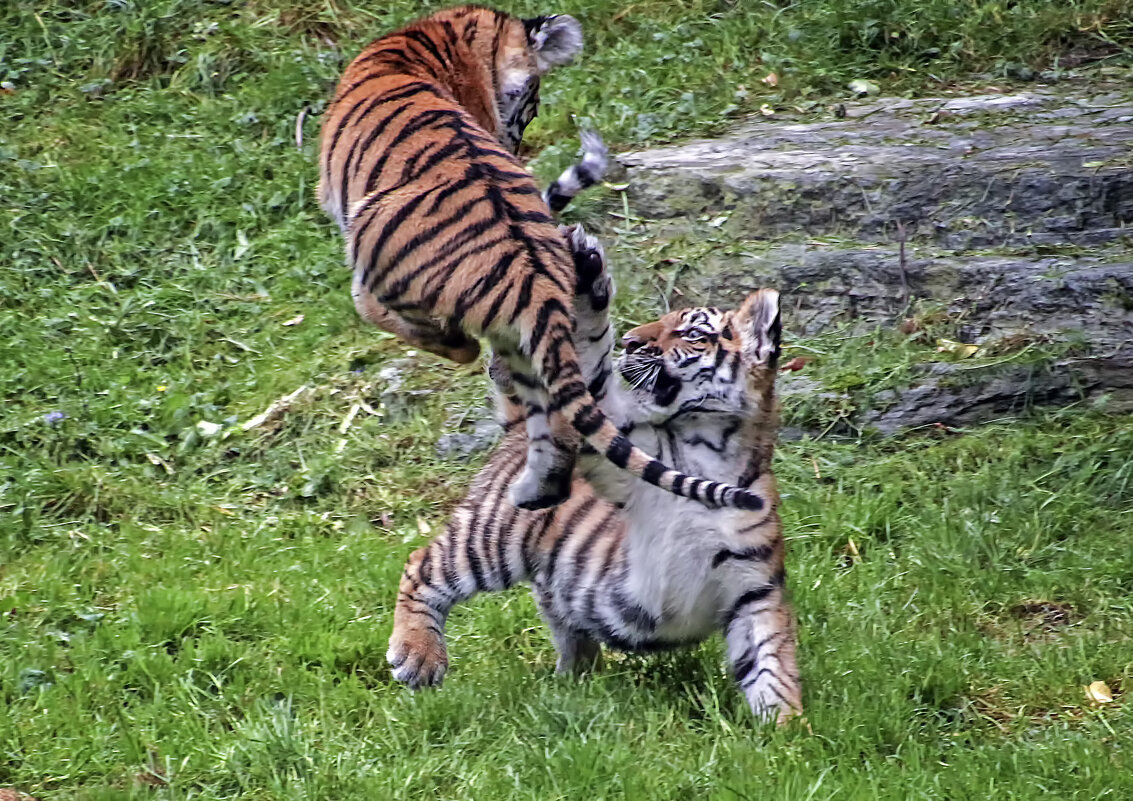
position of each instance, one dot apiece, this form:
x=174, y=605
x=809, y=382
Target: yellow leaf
x=863, y=87
x=423, y=526
x=154, y=459
x=766, y=110
x=960, y=349
x=1099, y=693
x=294, y=320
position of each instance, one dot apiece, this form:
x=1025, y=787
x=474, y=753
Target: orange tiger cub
x=450, y=239
x=620, y=563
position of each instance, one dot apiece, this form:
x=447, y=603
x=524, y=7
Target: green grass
x=194, y=611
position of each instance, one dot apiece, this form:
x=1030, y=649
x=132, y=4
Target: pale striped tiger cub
x=697, y=387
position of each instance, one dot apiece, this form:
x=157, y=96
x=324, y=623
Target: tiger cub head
x=518, y=51
x=705, y=360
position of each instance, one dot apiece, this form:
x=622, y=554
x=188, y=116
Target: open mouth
x=665, y=388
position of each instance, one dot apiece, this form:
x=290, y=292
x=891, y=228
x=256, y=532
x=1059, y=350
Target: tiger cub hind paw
x=533, y=491
x=417, y=659
x=591, y=277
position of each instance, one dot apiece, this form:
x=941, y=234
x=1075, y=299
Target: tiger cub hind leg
x=577, y=652
x=450, y=343
x=552, y=442
x=760, y=633
x=417, y=651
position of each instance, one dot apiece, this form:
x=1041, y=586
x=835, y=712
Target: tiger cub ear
x=761, y=327
x=555, y=39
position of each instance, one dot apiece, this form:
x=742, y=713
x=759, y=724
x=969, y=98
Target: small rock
x=464, y=445
x=791, y=434
x=1020, y=72
x=398, y=403
x=393, y=373
x=396, y=400
x=208, y=430
x=32, y=679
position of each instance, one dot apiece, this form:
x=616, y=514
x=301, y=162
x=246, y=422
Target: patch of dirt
x=1039, y=617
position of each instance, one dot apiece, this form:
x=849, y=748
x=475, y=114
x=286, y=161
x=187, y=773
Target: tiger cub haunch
x=450, y=239
x=660, y=571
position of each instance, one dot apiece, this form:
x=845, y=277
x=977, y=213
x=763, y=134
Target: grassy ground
x=190, y=610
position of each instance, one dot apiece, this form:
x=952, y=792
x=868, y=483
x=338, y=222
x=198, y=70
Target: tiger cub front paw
x=535, y=490
x=592, y=279
x=418, y=657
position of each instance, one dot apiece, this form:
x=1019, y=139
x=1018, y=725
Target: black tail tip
x=748, y=500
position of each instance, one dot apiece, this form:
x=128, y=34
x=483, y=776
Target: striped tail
x=556, y=362
x=581, y=176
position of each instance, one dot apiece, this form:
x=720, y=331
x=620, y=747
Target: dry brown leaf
x=151, y=778
x=797, y=363
x=771, y=79
x=275, y=410
x=1098, y=692
x=908, y=326
x=623, y=12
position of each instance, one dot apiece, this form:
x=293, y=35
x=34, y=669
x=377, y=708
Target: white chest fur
x=672, y=542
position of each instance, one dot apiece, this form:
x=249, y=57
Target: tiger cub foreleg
x=594, y=289
x=760, y=631
x=475, y=553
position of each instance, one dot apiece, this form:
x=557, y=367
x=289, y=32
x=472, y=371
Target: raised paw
x=418, y=658
x=534, y=490
x=591, y=277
